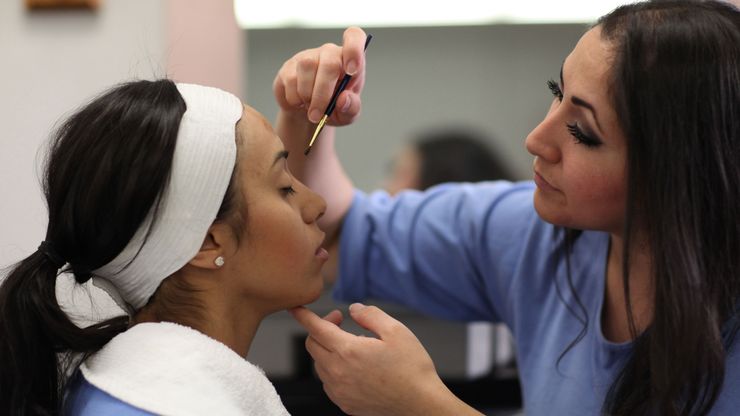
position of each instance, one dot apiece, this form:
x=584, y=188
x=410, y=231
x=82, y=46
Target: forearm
x=438, y=401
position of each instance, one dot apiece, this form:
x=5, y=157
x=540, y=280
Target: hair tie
x=82, y=275
x=47, y=249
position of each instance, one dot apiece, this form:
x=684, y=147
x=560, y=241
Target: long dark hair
x=106, y=169
x=676, y=89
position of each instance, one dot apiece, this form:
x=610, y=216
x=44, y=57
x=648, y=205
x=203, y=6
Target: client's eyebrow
x=283, y=154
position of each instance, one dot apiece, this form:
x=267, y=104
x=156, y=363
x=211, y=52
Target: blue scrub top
x=480, y=252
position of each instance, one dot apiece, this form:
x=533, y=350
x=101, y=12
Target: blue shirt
x=84, y=399
x=474, y=252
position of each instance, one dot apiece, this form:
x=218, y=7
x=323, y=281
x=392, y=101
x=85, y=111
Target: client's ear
x=218, y=242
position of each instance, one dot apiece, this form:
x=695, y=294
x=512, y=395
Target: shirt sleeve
x=451, y=252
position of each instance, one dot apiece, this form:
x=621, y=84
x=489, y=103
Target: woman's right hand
x=305, y=83
x=388, y=375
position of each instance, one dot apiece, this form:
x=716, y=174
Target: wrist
x=435, y=399
x=293, y=127
x=296, y=117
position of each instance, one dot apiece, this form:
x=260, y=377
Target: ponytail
x=33, y=331
x=107, y=167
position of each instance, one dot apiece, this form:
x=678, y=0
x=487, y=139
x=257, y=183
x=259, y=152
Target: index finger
x=324, y=332
x=353, y=50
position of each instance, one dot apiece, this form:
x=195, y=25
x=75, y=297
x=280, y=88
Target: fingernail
x=351, y=67
x=346, y=105
x=356, y=307
x=314, y=116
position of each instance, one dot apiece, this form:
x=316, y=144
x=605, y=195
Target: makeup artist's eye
x=287, y=190
x=581, y=137
x=555, y=89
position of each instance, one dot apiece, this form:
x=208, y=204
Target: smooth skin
x=580, y=183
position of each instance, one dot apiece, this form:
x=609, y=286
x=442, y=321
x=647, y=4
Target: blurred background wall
x=489, y=77
x=52, y=61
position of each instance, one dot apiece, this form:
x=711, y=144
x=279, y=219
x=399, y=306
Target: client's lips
x=322, y=254
x=542, y=183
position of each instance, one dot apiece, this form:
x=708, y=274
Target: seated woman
x=176, y=200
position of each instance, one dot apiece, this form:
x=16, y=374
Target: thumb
x=375, y=320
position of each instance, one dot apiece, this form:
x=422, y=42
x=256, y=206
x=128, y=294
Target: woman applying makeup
x=616, y=268
x=176, y=200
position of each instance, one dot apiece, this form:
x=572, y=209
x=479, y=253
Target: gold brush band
x=316, y=132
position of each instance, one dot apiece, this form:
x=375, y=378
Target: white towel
x=170, y=369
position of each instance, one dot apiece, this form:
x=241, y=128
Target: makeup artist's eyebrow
x=283, y=154
x=579, y=101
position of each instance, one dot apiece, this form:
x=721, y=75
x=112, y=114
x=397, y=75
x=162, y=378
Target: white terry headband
x=204, y=159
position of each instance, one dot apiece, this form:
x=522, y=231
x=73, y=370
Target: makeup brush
x=333, y=103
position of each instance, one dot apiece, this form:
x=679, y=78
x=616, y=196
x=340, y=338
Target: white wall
x=50, y=63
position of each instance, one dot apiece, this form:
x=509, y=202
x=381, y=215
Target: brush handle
x=333, y=102
x=342, y=85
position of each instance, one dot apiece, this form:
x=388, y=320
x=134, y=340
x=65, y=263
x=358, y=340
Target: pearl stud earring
x=219, y=261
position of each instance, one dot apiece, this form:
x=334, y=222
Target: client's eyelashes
x=288, y=190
